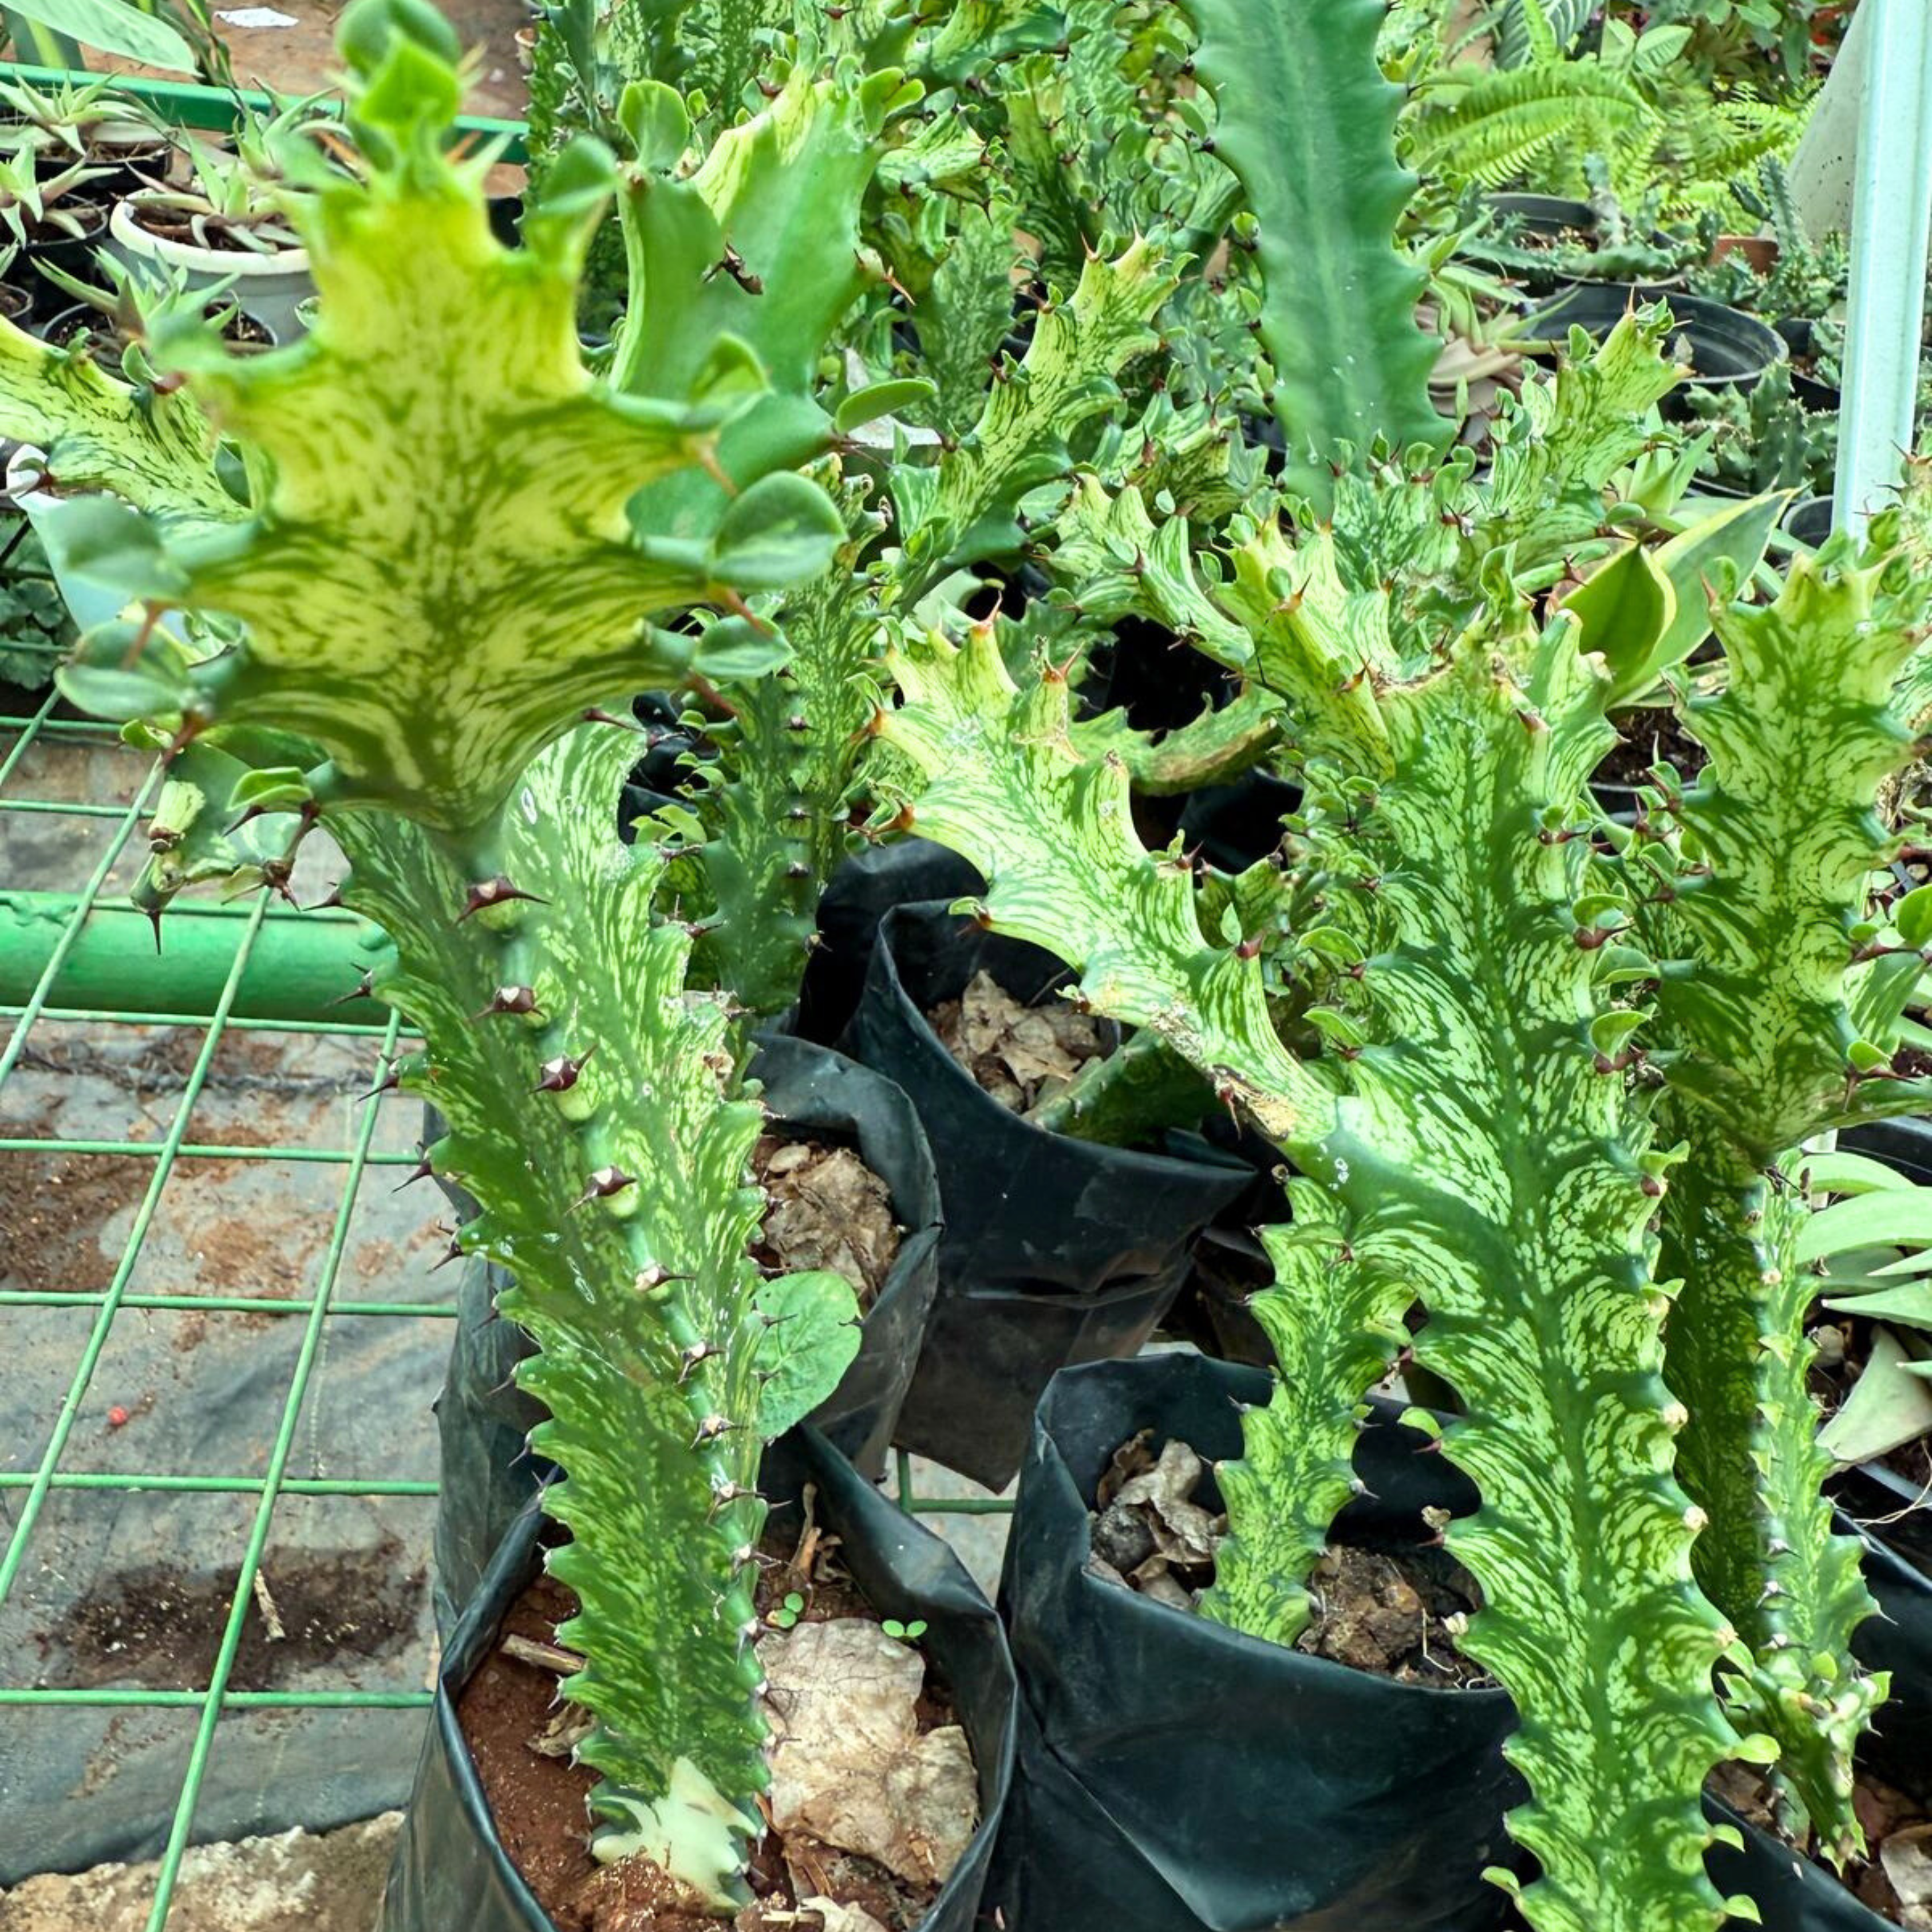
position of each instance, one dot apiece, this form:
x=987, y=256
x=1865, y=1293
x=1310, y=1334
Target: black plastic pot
x=1799, y=337
x=1238, y=824
x=1725, y=347
x=74, y=254
x=1159, y=1752
x=1549, y=216
x=485, y=1420
x=1177, y=1776
x=1809, y=520
x=857, y=897
x=451, y=1872
x=1056, y=1250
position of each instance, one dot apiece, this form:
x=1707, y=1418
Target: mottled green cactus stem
x=598, y=1119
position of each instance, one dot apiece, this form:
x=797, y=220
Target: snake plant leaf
x=1889, y=1406
x=597, y=1119
x=1306, y=118
x=1892, y=1215
x=811, y=1338
x=1626, y=609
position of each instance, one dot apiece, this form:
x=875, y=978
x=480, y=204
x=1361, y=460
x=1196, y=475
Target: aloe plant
x=1471, y=986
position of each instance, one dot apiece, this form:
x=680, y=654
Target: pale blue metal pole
x=1891, y=214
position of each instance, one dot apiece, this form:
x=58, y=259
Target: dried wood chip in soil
x=1021, y=1055
x=826, y=1209
x=1395, y=1613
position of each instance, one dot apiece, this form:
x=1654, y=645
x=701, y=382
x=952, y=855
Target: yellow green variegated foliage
x=773, y=808
x=598, y=1119
x=1492, y=1172
x=443, y=560
x=1781, y=982
x=1484, y=978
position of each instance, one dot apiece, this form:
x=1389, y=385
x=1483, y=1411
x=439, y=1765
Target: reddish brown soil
x=538, y=1801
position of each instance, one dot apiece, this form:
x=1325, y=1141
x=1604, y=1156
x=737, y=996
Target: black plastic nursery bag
x=1056, y=1250
x=451, y=1874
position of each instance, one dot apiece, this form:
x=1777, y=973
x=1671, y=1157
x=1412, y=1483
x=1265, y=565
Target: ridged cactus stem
x=600, y=1123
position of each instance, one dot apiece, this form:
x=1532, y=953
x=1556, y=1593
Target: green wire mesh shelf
x=80, y=986
x=63, y=1468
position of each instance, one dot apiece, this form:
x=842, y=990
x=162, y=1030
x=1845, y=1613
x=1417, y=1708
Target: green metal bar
x=134, y=1480
x=90, y=730
x=124, y=1018
x=225, y=1304
x=328, y=1156
x=1891, y=211
x=96, y=1340
x=232, y=1700
x=218, y=109
x=258, y=1538
x=59, y=808
x=301, y=967
x=56, y=958
x=29, y=729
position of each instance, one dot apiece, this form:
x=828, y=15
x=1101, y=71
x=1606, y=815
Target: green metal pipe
x=186, y=103
x=299, y=968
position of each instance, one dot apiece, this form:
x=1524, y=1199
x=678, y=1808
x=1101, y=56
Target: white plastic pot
x=268, y=287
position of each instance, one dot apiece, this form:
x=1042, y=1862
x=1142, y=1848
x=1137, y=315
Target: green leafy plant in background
x=1633, y=100
x=1443, y=1010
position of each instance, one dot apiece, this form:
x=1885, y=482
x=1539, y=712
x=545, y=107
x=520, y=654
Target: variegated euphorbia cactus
x=385, y=580
x=1547, y=1081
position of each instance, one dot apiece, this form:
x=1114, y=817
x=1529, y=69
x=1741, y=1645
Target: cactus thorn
x=559, y=1074
x=362, y=990
x=603, y=1184
x=518, y=1000
x=422, y=1171
x=596, y=715
x=389, y=1082
x=496, y=891
x=689, y=1358
x=453, y=1252
x=711, y=1428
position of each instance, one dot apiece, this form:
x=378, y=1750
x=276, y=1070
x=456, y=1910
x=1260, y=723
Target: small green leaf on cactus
x=781, y=531
x=811, y=1337
x=1913, y=916
x=883, y=399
